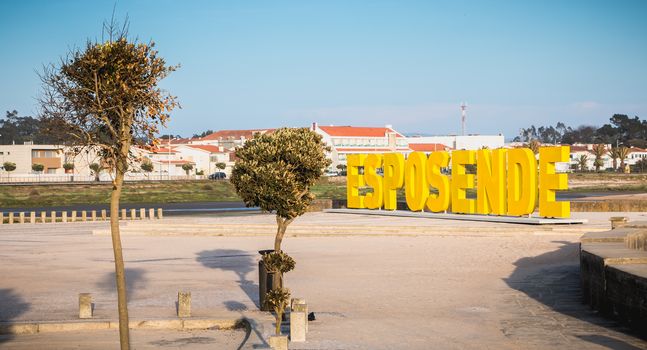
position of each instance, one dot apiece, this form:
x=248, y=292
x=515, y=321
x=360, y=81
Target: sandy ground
x=516, y=290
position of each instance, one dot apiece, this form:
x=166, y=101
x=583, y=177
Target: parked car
x=217, y=176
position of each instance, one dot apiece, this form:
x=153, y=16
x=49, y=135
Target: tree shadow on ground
x=238, y=261
x=251, y=325
x=12, y=306
x=135, y=279
x=553, y=280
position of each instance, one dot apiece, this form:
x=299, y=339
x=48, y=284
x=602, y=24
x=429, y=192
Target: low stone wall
x=614, y=277
x=609, y=206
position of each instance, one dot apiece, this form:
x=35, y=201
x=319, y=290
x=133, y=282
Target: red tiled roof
x=235, y=134
x=370, y=149
x=357, y=131
x=580, y=149
x=637, y=149
x=208, y=148
x=177, y=141
x=163, y=150
x=182, y=161
x=428, y=147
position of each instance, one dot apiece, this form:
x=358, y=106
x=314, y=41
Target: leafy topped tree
x=96, y=170
x=9, y=167
x=275, y=172
x=147, y=166
x=106, y=96
x=582, y=162
x=68, y=166
x=221, y=165
x=599, y=150
x=37, y=167
x=187, y=167
x=623, y=153
x=277, y=300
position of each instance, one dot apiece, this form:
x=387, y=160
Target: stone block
x=151, y=213
x=184, y=304
x=63, y=216
x=73, y=216
x=299, y=301
x=279, y=342
x=618, y=221
x=123, y=214
x=10, y=218
x=104, y=215
x=1, y=218
x=32, y=217
x=53, y=216
x=43, y=217
x=85, y=305
x=160, y=215
x=133, y=214
x=142, y=213
x=93, y=215
x=21, y=217
x=298, y=321
x=84, y=216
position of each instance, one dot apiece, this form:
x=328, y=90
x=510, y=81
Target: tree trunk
x=120, y=275
x=279, y=319
x=280, y=231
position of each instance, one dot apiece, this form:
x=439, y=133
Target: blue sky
x=253, y=64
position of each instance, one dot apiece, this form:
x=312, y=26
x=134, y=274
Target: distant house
x=205, y=157
x=229, y=139
x=428, y=147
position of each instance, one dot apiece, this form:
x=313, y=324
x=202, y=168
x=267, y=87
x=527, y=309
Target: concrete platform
x=462, y=217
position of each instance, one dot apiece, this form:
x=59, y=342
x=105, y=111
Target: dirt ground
x=486, y=288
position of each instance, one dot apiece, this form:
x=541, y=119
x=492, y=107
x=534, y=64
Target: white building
x=466, y=142
x=345, y=140
x=205, y=157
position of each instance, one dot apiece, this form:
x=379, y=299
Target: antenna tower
x=463, y=109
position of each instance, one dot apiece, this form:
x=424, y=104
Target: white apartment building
x=345, y=140
x=466, y=142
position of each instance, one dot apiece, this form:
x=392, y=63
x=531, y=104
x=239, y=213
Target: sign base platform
x=464, y=217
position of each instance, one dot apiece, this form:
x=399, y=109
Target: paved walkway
x=485, y=289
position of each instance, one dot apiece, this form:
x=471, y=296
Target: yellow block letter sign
x=393, y=178
x=549, y=182
x=375, y=199
x=354, y=180
x=415, y=181
x=461, y=181
x=438, y=202
x=490, y=175
x=522, y=181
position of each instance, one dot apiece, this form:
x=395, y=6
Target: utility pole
x=463, y=111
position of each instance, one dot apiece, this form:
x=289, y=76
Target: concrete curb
x=170, y=324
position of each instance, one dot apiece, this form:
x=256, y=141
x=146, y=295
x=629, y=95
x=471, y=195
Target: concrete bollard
x=160, y=215
x=142, y=214
x=123, y=214
x=43, y=217
x=53, y=216
x=93, y=215
x=10, y=217
x=1, y=218
x=84, y=216
x=298, y=301
x=298, y=321
x=64, y=216
x=151, y=214
x=73, y=216
x=184, y=304
x=133, y=214
x=85, y=305
x=104, y=215
x=618, y=221
x=21, y=217
x=32, y=217
x=278, y=342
